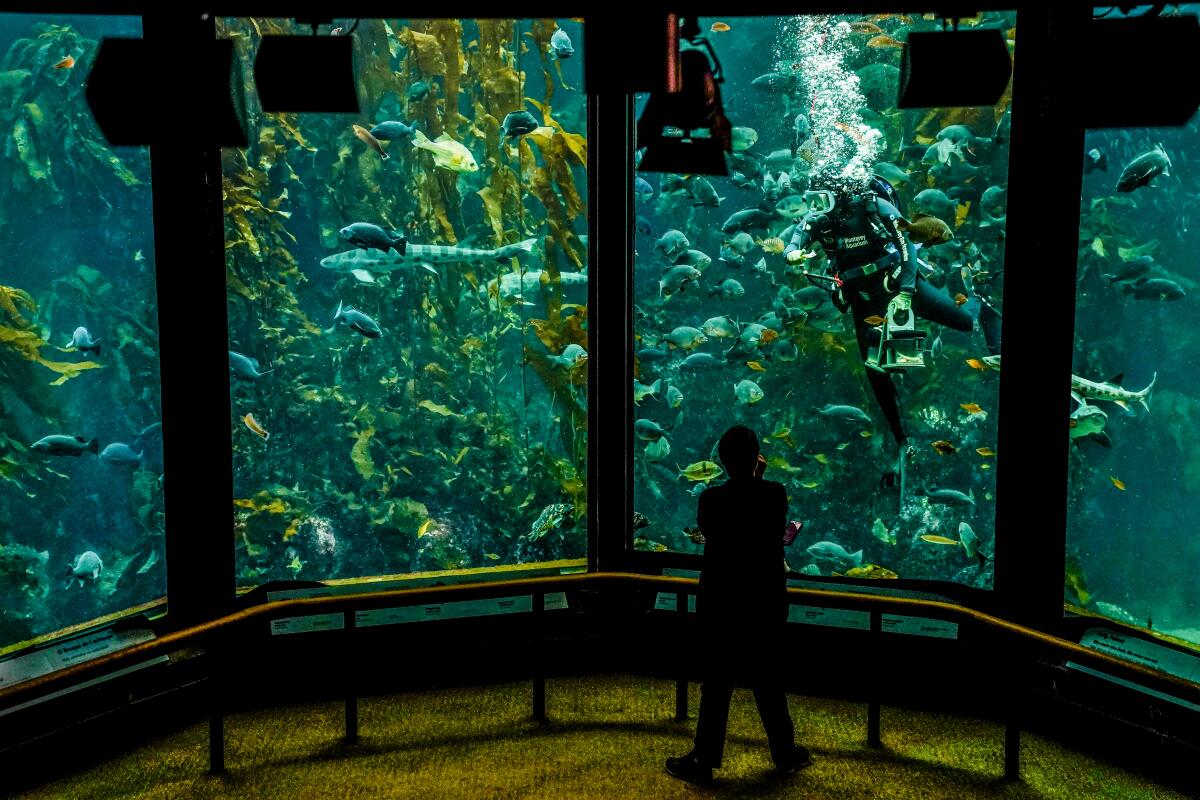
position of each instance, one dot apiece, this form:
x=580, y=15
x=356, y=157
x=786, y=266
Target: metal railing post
x=216, y=710
x=1012, y=726
x=539, y=668
x=681, y=681
x=873, y=687
x=351, y=689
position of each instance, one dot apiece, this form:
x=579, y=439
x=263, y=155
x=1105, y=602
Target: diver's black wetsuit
x=876, y=261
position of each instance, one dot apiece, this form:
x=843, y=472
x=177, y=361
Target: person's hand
x=794, y=257
x=902, y=302
x=761, y=466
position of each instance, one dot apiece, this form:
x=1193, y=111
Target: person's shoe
x=800, y=759
x=690, y=769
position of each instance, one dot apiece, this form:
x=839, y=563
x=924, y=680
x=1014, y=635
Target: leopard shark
x=1110, y=389
x=362, y=262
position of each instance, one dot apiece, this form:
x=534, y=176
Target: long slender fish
x=373, y=260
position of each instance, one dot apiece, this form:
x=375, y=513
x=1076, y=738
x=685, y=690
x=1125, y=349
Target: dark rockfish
x=745, y=220
x=1154, y=289
x=62, y=445
x=518, y=123
x=119, y=454
x=1143, y=169
x=394, y=129
x=366, y=235
x=418, y=91
x=357, y=321
x=775, y=83
x=1132, y=270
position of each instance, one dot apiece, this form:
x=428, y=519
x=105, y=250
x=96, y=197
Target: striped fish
x=372, y=260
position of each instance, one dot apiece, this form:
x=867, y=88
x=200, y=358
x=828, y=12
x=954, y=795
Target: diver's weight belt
x=869, y=268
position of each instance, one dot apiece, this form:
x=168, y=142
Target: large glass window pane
x=408, y=307
x=730, y=329
x=81, y=511
x=1135, y=455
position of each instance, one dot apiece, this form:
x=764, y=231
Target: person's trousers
x=772, y=704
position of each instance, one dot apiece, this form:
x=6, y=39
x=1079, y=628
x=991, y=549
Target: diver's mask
x=819, y=201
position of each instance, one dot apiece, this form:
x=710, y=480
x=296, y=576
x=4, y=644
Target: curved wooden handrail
x=202, y=634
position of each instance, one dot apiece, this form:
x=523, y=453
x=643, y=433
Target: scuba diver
x=874, y=271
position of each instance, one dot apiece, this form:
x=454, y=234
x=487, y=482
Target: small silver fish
x=82, y=341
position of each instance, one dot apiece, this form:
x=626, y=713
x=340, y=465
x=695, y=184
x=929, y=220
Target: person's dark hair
x=738, y=450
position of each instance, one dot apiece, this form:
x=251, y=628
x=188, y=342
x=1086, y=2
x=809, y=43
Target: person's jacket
x=742, y=579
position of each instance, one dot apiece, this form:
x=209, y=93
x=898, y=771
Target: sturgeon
x=372, y=260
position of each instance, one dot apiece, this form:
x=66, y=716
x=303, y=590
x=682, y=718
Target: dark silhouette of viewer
x=742, y=608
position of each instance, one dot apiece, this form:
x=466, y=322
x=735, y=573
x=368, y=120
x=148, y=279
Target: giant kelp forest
x=76, y=238
x=458, y=437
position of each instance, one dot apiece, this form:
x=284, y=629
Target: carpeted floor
x=607, y=739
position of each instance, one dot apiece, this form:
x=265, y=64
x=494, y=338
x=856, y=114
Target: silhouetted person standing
x=742, y=608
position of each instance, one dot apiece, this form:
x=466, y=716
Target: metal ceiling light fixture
x=949, y=69
x=683, y=127
x=307, y=73
x=1148, y=62
x=121, y=84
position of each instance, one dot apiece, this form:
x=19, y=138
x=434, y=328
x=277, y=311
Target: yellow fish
x=971, y=408
x=935, y=539
x=447, y=153
x=1117, y=482
x=773, y=245
x=985, y=451
x=253, y=425
x=756, y=366
x=701, y=471
x=870, y=571
x=960, y=213
x=944, y=448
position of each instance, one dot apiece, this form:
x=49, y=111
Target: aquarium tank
x=736, y=319
x=81, y=506
x=1134, y=461
x=408, y=306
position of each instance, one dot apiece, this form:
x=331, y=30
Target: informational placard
x=1139, y=651
x=108, y=676
x=458, y=609
x=307, y=624
x=1132, y=685
x=669, y=601
x=918, y=626
x=831, y=617
x=423, y=581
x=67, y=653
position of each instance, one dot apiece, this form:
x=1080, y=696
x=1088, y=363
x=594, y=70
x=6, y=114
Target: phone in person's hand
x=761, y=466
x=792, y=531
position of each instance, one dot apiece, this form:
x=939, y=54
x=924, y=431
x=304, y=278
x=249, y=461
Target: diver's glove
x=899, y=307
x=794, y=257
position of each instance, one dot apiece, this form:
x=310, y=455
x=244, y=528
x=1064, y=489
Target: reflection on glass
x=408, y=307
x=81, y=522
x=737, y=319
x=1135, y=455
